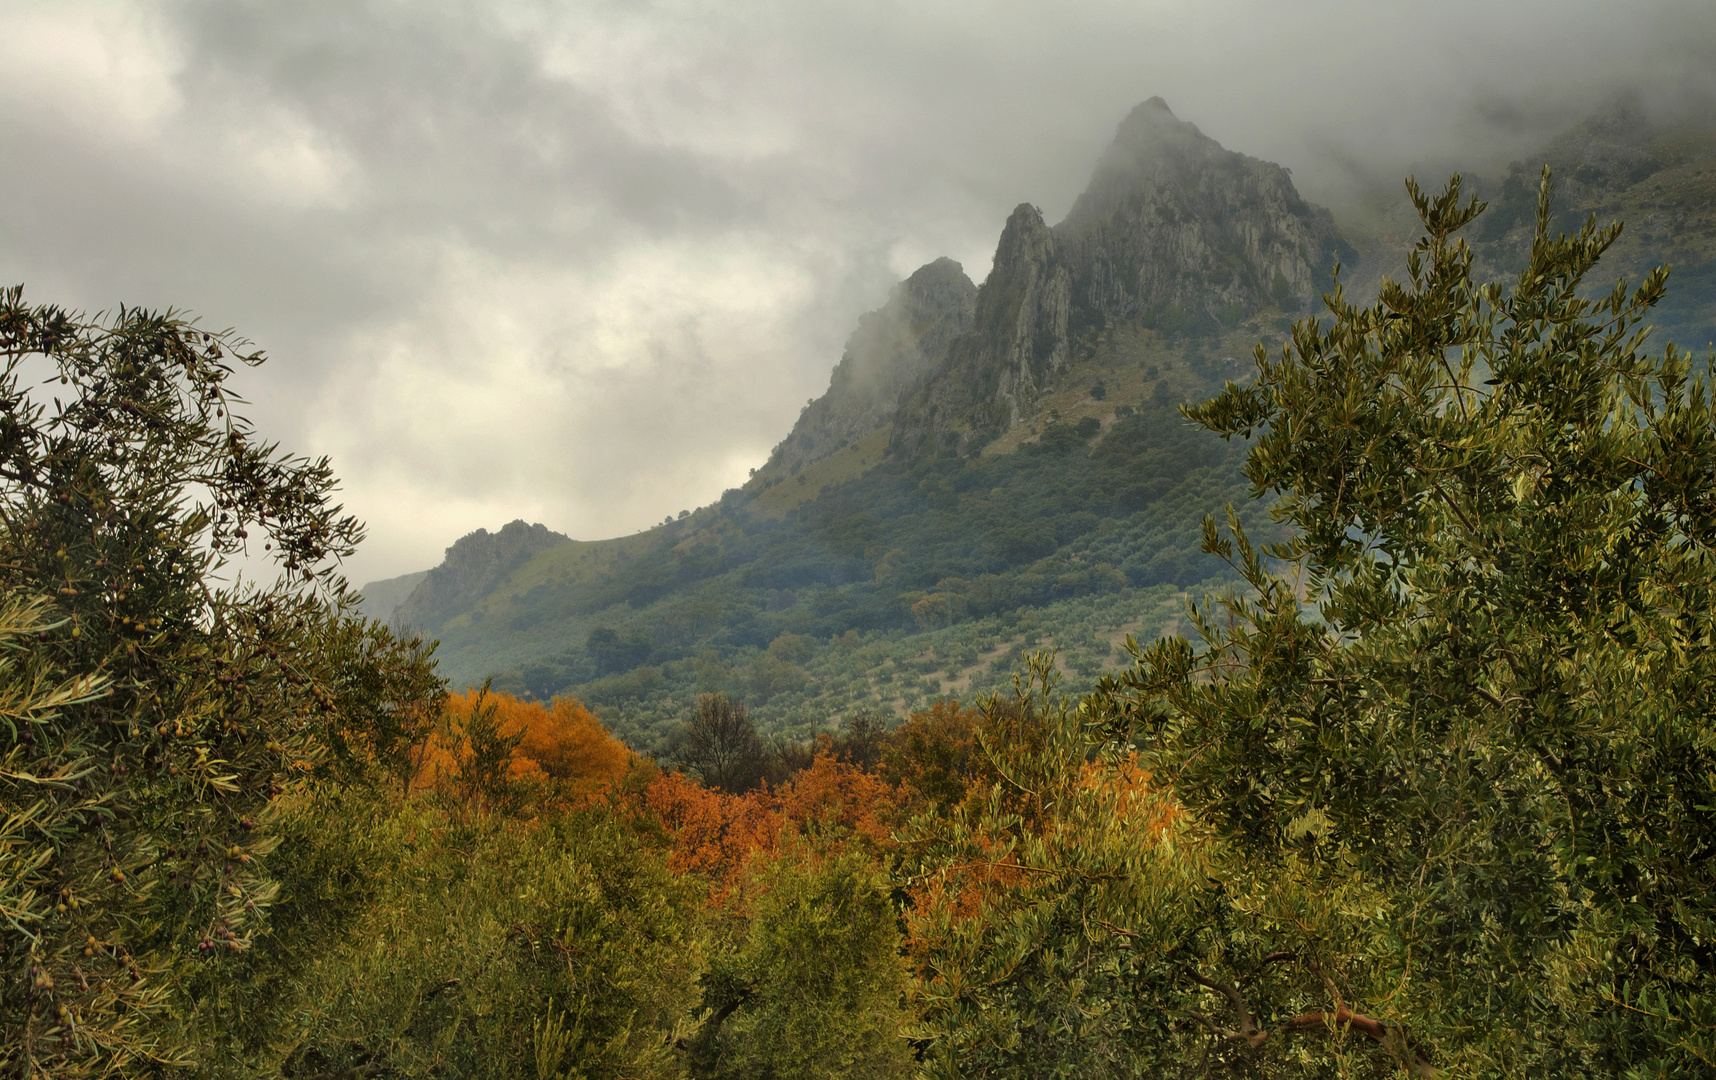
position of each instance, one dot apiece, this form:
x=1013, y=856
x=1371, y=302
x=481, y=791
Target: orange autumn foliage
x=713, y=833
x=990, y=872
x=563, y=751
x=1135, y=799
x=716, y=834
x=834, y=794
x=960, y=892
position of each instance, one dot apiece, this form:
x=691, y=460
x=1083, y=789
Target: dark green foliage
x=125, y=483
x=611, y=652
x=721, y=745
x=1495, y=712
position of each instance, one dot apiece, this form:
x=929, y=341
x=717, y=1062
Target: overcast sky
x=582, y=262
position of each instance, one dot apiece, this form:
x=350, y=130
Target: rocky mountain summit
x=892, y=348
x=473, y=566
x=1174, y=232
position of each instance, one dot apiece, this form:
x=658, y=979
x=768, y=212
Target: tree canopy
x=1473, y=688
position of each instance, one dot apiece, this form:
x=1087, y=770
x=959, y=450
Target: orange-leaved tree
x=713, y=833
x=559, y=752
x=833, y=800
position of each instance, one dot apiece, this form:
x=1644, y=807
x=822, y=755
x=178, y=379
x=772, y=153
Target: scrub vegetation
x=1424, y=789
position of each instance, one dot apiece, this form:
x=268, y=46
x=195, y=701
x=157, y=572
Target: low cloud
x=583, y=264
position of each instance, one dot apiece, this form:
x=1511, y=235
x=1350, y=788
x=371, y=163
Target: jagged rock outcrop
x=893, y=347
x=1172, y=222
x=1017, y=342
x=1173, y=232
x=474, y=565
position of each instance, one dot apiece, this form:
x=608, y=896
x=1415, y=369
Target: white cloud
x=583, y=263
x=105, y=69
x=592, y=392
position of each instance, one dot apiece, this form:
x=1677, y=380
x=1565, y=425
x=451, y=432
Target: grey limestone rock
x=1018, y=341
x=1173, y=231
x=892, y=348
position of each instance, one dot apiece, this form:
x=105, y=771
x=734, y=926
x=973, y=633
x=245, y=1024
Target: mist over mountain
x=1174, y=233
x=998, y=466
x=1655, y=173
x=893, y=347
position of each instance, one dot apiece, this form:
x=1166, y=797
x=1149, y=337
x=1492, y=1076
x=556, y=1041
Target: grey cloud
x=584, y=262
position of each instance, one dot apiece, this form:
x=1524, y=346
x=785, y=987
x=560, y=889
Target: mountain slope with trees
x=980, y=453
x=1025, y=468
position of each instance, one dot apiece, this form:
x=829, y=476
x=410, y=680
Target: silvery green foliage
x=137, y=809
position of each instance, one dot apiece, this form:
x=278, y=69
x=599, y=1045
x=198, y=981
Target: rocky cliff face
x=1018, y=341
x=893, y=347
x=1173, y=232
x=1171, y=220
x=474, y=565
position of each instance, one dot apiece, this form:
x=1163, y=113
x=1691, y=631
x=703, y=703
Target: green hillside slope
x=1033, y=485
x=934, y=564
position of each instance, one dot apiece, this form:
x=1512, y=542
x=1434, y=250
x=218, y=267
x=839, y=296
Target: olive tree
x=139, y=811
x=1478, y=677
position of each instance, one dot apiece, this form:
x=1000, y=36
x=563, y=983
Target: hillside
x=1657, y=178
x=1001, y=467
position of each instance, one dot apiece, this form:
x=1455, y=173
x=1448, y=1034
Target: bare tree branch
x=1247, y=1026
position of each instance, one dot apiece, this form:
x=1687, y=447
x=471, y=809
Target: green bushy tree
x=127, y=486
x=1480, y=683
x=1075, y=923
x=814, y=987
x=483, y=947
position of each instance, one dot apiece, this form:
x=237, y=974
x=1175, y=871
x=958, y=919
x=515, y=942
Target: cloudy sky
x=581, y=262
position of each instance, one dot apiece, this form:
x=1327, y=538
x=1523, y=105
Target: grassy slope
x=847, y=463
x=858, y=537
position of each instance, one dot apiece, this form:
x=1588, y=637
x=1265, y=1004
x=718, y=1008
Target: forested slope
x=978, y=456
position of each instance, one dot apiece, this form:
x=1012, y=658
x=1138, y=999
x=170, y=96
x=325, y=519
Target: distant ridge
x=474, y=565
x=381, y=599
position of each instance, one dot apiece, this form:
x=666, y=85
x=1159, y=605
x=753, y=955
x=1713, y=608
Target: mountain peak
x=1174, y=233
x=892, y=348
x=474, y=565
x=1151, y=146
